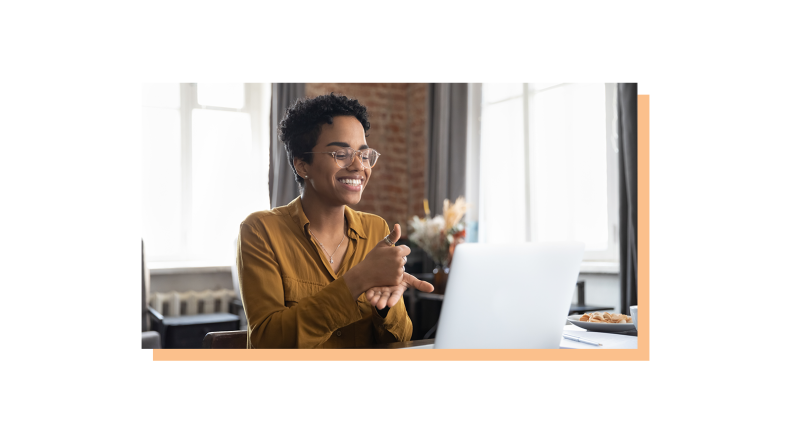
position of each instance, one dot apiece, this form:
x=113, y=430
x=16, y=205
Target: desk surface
x=408, y=344
x=626, y=340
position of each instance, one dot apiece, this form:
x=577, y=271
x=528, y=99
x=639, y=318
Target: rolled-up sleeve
x=395, y=327
x=271, y=324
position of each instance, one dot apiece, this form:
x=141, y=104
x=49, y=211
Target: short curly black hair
x=301, y=125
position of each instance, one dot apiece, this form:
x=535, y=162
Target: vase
x=440, y=279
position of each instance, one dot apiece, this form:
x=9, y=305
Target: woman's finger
x=383, y=301
x=419, y=285
x=393, y=300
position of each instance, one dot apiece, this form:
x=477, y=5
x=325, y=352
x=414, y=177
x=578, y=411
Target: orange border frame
x=639, y=354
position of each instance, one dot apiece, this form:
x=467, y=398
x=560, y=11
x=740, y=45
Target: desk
x=407, y=344
x=625, y=340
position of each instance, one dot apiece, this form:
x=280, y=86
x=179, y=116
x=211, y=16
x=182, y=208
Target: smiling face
x=333, y=184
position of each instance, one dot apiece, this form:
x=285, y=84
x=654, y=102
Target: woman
x=315, y=273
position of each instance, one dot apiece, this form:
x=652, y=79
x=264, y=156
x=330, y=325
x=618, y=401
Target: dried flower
x=439, y=236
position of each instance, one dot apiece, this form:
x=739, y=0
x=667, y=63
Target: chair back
x=235, y=272
x=225, y=339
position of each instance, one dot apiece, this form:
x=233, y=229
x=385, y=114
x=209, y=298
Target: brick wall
x=397, y=113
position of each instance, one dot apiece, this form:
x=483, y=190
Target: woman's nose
x=357, y=162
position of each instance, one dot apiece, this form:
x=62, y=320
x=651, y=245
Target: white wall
x=163, y=283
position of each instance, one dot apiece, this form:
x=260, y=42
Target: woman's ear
x=301, y=167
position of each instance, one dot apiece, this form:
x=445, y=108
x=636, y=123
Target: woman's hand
x=382, y=267
x=380, y=296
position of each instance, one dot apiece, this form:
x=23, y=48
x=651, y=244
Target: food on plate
x=606, y=318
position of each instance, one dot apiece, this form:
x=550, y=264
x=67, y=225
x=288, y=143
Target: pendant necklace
x=322, y=246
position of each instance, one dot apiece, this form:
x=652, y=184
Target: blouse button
x=338, y=333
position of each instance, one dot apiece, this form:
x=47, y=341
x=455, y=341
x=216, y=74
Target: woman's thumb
x=395, y=235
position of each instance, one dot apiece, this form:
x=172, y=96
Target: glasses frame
x=355, y=153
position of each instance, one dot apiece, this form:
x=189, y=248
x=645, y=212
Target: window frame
x=256, y=105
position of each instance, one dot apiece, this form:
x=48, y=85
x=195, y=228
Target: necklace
x=322, y=246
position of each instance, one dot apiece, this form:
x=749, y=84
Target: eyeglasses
x=345, y=157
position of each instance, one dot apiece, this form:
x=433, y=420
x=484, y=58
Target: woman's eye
x=341, y=156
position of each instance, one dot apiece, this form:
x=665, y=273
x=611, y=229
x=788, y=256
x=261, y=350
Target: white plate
x=601, y=327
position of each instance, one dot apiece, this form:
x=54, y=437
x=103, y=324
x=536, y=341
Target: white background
x=720, y=223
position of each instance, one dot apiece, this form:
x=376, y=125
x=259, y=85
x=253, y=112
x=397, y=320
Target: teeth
x=353, y=182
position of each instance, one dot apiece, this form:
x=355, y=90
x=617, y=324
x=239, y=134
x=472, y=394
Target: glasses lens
x=369, y=157
x=343, y=157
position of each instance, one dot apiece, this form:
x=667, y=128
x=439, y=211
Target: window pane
x=161, y=95
x=228, y=182
x=161, y=170
x=502, y=193
x=496, y=92
x=569, y=165
x=538, y=87
x=222, y=95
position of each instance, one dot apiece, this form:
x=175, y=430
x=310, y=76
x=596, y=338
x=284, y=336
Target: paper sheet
x=608, y=340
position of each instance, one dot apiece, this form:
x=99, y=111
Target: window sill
x=599, y=268
x=164, y=268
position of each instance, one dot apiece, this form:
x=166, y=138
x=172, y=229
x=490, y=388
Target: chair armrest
x=155, y=314
x=157, y=323
x=225, y=339
x=151, y=340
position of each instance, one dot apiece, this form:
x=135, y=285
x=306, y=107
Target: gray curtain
x=282, y=187
x=628, y=194
x=447, y=115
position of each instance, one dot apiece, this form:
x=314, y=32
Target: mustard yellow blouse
x=291, y=296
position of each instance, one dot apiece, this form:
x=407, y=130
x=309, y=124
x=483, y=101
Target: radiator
x=183, y=303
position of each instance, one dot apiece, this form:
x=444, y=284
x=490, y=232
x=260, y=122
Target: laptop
x=508, y=296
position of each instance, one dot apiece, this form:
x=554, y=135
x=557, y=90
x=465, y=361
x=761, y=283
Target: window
x=548, y=165
x=502, y=217
x=205, y=168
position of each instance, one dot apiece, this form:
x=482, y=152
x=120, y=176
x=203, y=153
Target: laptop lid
x=508, y=296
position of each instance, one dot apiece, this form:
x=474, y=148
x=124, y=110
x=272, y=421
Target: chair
x=225, y=339
x=236, y=306
x=179, y=331
x=234, y=338
x=150, y=339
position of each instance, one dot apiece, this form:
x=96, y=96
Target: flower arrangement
x=439, y=236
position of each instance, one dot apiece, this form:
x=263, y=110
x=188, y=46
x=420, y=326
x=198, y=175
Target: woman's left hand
x=382, y=296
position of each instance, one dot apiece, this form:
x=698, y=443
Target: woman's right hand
x=383, y=266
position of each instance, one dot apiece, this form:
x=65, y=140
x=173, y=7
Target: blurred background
x=535, y=162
